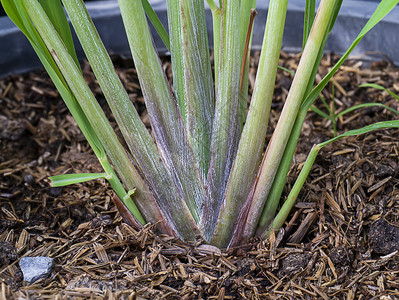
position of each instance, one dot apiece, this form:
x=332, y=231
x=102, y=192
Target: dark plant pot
x=17, y=56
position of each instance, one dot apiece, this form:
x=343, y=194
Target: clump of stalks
x=204, y=175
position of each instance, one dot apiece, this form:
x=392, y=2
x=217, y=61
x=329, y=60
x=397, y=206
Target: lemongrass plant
x=204, y=174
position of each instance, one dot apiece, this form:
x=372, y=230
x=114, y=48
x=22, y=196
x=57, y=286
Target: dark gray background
x=17, y=55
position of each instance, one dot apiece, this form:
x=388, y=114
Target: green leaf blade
x=156, y=23
x=68, y=179
x=379, y=87
x=56, y=14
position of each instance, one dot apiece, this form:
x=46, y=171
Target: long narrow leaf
x=56, y=14
x=379, y=87
x=156, y=23
x=321, y=113
x=366, y=105
x=68, y=179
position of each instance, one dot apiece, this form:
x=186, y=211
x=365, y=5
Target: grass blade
x=320, y=113
x=68, y=179
x=379, y=87
x=310, y=7
x=152, y=16
x=366, y=105
x=56, y=14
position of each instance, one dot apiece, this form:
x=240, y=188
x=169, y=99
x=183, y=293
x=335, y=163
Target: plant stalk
x=138, y=139
x=166, y=121
x=277, y=145
x=198, y=83
x=95, y=116
x=225, y=130
x=254, y=133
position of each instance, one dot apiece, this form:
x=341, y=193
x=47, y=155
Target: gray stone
x=35, y=268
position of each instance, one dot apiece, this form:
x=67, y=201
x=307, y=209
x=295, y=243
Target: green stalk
x=176, y=51
x=216, y=20
x=253, y=137
x=217, y=26
x=308, y=20
x=273, y=199
x=167, y=125
x=95, y=115
x=247, y=15
x=225, y=130
x=277, y=145
x=199, y=92
x=278, y=185
x=141, y=144
x=289, y=203
x=152, y=16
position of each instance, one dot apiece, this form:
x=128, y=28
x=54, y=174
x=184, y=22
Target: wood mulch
x=339, y=241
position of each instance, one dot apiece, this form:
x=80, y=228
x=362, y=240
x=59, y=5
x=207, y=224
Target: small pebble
x=35, y=268
x=384, y=171
x=55, y=191
x=29, y=179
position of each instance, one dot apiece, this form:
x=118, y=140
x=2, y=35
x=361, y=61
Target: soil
x=339, y=242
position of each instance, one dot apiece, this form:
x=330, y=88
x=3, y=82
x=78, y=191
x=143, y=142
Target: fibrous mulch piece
x=337, y=243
